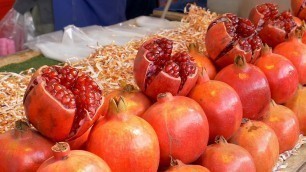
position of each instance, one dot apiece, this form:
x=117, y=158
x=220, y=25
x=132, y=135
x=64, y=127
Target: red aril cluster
x=61, y=102
x=156, y=71
x=273, y=28
x=229, y=36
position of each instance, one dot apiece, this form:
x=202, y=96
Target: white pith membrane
x=112, y=64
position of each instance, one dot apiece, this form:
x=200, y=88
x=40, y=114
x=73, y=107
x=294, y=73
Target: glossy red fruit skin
x=251, y=85
x=294, y=50
x=297, y=9
x=221, y=104
x=125, y=142
x=23, y=149
x=181, y=167
x=280, y=73
x=217, y=39
x=73, y=160
x=136, y=102
x=260, y=141
x=285, y=125
x=49, y=116
x=297, y=105
x=162, y=82
x=227, y=157
x=179, y=122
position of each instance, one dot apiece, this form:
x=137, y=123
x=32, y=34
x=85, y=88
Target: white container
x=242, y=7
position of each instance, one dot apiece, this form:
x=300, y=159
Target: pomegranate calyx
x=220, y=140
x=61, y=150
x=173, y=162
x=116, y=105
x=240, y=61
x=163, y=97
x=266, y=49
x=203, y=76
x=22, y=125
x=193, y=47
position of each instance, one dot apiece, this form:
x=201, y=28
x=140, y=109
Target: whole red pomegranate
x=281, y=74
x=126, y=142
x=68, y=160
x=297, y=105
x=223, y=156
x=157, y=71
x=251, y=85
x=179, y=166
x=294, y=50
x=260, y=141
x=136, y=102
x=181, y=126
x=229, y=36
x=202, y=61
x=23, y=149
x=273, y=27
x=285, y=125
x=298, y=8
x=62, y=102
x=221, y=105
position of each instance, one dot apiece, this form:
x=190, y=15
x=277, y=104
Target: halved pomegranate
x=229, y=36
x=273, y=27
x=298, y=8
x=62, y=102
x=157, y=71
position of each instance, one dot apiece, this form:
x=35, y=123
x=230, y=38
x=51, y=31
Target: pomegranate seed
x=244, y=44
x=245, y=27
x=172, y=69
x=269, y=10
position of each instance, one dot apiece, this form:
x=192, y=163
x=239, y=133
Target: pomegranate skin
x=67, y=160
x=162, y=82
x=297, y=105
x=23, y=149
x=179, y=122
x=260, y=141
x=285, y=124
x=251, y=85
x=125, y=142
x=221, y=105
x=49, y=116
x=298, y=9
x=178, y=166
x=223, y=156
x=294, y=50
x=281, y=75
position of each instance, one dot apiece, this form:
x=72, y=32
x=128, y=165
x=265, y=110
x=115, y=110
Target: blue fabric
x=181, y=4
x=88, y=12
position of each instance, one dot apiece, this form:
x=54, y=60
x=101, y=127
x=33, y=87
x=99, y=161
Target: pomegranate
x=281, y=74
x=179, y=166
x=273, y=27
x=126, y=142
x=297, y=105
x=294, y=50
x=285, y=125
x=298, y=8
x=251, y=85
x=23, y=149
x=136, y=102
x=223, y=156
x=68, y=160
x=156, y=71
x=260, y=141
x=62, y=102
x=179, y=122
x=221, y=104
x=80, y=142
x=229, y=36
x=202, y=60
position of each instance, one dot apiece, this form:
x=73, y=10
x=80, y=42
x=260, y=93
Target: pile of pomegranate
x=235, y=109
